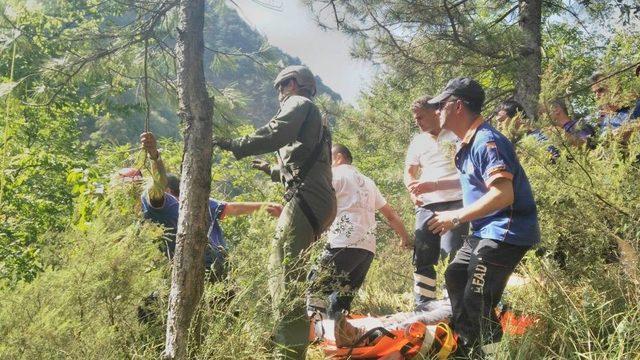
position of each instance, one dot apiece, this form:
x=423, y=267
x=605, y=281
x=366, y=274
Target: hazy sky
x=291, y=28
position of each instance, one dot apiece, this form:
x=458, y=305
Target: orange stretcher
x=406, y=343
x=389, y=344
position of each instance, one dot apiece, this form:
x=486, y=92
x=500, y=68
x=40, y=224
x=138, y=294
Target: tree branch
x=392, y=38
x=458, y=38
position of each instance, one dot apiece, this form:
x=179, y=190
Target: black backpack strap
x=308, y=212
x=294, y=188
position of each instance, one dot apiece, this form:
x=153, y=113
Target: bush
x=84, y=305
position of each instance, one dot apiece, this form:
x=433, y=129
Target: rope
x=145, y=85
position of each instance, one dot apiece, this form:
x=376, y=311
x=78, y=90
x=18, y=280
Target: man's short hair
x=422, y=103
x=511, y=107
x=173, y=183
x=341, y=149
x=559, y=102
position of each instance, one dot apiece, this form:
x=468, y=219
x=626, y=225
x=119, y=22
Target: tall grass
x=84, y=305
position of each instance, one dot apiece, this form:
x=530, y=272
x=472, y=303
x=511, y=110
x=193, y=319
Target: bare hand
x=441, y=222
x=406, y=244
x=149, y=144
x=417, y=187
x=261, y=165
x=274, y=209
x=415, y=200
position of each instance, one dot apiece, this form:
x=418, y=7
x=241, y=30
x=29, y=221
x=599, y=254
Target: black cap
x=464, y=88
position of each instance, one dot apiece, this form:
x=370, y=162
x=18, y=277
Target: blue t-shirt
x=619, y=118
x=540, y=137
x=636, y=111
x=579, y=129
x=484, y=156
x=167, y=216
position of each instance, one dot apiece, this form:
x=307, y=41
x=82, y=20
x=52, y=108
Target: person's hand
x=415, y=200
x=274, y=209
x=222, y=143
x=441, y=222
x=261, y=165
x=406, y=244
x=417, y=187
x=149, y=144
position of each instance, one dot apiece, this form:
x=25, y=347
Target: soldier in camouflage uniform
x=303, y=148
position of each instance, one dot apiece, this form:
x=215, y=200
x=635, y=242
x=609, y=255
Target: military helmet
x=302, y=74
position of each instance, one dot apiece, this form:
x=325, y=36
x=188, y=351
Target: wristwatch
x=455, y=221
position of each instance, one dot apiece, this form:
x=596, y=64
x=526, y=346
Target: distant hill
x=228, y=32
x=247, y=79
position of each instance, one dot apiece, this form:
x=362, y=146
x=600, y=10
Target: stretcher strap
x=368, y=334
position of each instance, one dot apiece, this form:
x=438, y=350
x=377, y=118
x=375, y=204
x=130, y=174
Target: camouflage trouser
x=289, y=257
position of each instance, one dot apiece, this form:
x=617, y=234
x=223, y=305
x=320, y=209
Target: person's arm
x=396, y=224
x=245, y=208
x=447, y=183
x=495, y=159
x=155, y=190
x=281, y=130
x=499, y=196
x=410, y=174
x=411, y=168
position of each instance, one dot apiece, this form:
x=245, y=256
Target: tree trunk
x=196, y=111
x=530, y=64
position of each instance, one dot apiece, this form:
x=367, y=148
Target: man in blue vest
x=499, y=204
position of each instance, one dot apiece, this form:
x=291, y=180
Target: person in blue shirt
x=577, y=131
x=499, y=204
x=611, y=115
x=512, y=111
x=160, y=204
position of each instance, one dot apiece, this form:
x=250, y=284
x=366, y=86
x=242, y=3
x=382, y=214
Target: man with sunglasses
x=302, y=142
x=499, y=204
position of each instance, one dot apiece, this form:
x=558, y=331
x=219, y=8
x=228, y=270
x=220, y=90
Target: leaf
x=7, y=87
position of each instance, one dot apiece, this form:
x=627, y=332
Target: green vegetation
x=77, y=262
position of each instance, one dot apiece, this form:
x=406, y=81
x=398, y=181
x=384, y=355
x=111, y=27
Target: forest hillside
x=81, y=273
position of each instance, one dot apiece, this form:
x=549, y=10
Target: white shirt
x=435, y=164
x=358, y=199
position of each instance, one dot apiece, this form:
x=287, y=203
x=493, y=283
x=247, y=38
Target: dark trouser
x=339, y=274
x=475, y=280
x=429, y=248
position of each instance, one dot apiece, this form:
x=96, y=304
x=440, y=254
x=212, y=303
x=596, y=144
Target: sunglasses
x=441, y=105
x=283, y=84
